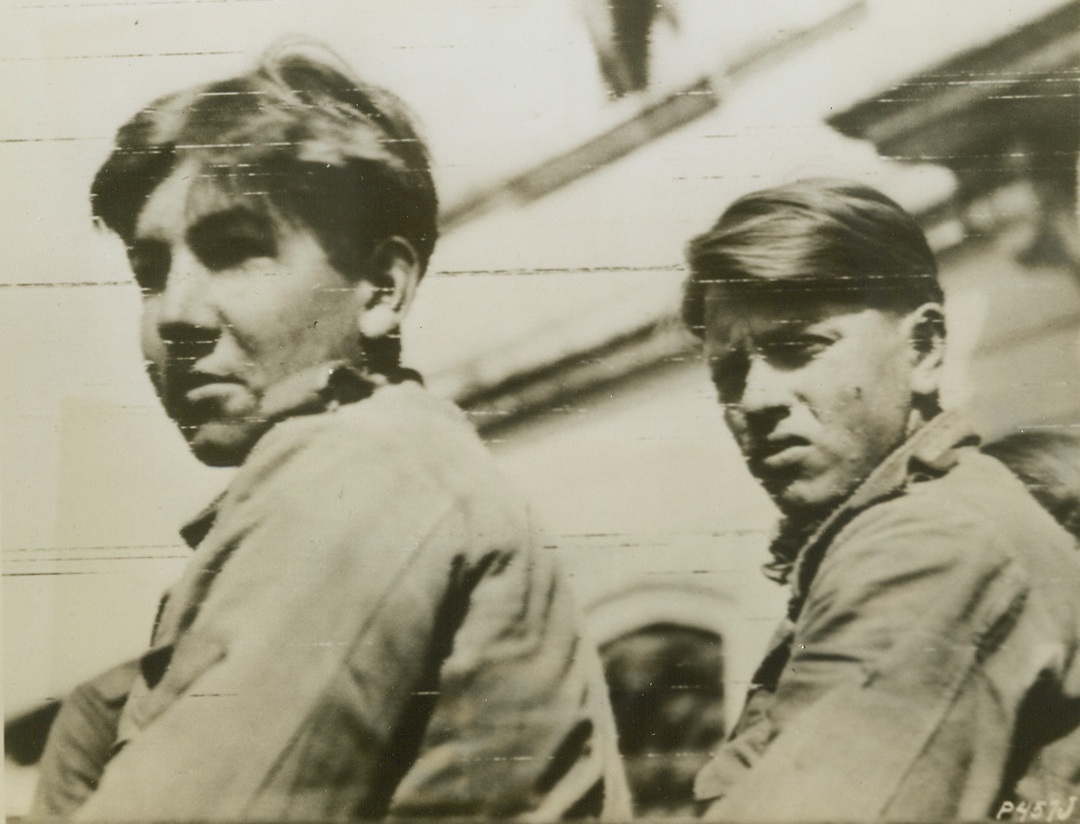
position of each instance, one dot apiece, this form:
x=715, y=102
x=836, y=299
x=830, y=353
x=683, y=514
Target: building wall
x=1020, y=328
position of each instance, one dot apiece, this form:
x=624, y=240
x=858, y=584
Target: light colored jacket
x=369, y=626
x=928, y=667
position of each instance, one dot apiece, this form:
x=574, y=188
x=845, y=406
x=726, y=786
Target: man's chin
x=221, y=443
x=803, y=500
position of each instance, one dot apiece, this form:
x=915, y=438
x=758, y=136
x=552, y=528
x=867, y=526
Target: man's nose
x=183, y=297
x=185, y=314
x=766, y=388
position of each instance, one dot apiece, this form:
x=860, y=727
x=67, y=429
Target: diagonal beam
x=662, y=117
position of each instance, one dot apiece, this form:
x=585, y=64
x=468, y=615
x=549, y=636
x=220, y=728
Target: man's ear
x=925, y=330
x=387, y=288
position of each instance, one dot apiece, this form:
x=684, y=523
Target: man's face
x=816, y=392
x=234, y=301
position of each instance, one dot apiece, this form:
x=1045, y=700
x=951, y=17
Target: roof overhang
x=978, y=112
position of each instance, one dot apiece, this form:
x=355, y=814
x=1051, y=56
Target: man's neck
x=798, y=525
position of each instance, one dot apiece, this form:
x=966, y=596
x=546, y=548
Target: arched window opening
x=666, y=686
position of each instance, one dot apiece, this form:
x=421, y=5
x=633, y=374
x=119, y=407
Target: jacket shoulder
x=983, y=492
x=975, y=515
x=402, y=455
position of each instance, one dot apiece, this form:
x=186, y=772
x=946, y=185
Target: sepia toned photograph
x=540, y=410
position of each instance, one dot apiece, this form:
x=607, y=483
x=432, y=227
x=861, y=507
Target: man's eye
x=795, y=351
x=150, y=266
x=229, y=251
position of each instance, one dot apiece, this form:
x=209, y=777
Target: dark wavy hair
x=299, y=133
x=1049, y=465
x=819, y=237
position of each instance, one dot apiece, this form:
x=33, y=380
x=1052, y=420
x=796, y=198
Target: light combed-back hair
x=298, y=134
x=819, y=237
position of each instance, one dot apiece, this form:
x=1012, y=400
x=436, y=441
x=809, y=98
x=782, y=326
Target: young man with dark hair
x=369, y=625
x=927, y=667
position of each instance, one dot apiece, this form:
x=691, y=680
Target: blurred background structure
x=578, y=145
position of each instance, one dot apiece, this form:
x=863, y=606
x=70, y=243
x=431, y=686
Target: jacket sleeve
x=80, y=742
x=885, y=707
x=522, y=725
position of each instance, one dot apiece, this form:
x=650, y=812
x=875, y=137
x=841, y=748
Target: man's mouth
x=196, y=397
x=209, y=391
x=776, y=453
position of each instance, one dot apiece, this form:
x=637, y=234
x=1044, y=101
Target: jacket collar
x=929, y=453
